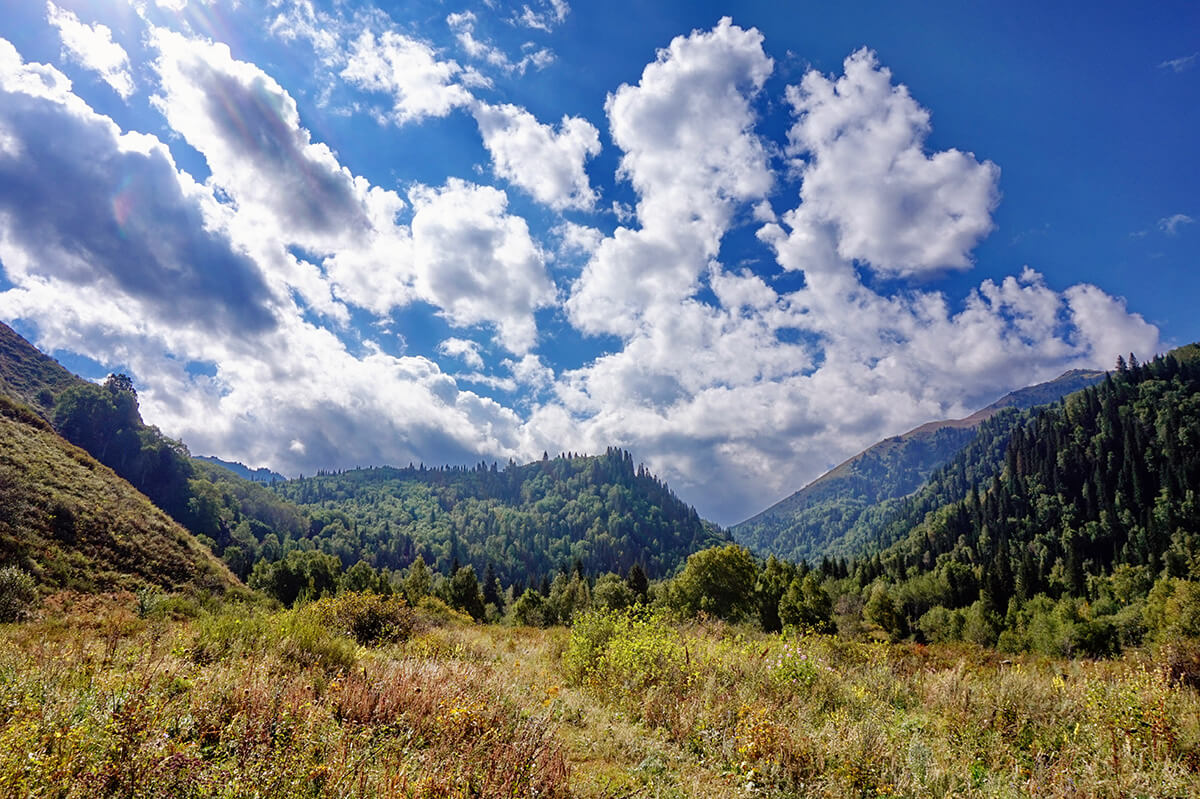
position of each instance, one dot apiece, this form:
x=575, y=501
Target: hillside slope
x=72, y=523
x=525, y=521
x=1094, y=499
x=835, y=514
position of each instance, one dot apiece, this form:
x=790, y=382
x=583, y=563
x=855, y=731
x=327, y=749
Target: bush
x=368, y=618
x=717, y=581
x=623, y=651
x=530, y=609
x=18, y=594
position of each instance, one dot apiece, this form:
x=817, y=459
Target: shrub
x=530, y=609
x=717, y=581
x=368, y=618
x=18, y=594
x=623, y=651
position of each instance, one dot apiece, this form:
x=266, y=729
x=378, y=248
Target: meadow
x=151, y=695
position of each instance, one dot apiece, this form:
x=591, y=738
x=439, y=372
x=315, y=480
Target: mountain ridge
x=815, y=521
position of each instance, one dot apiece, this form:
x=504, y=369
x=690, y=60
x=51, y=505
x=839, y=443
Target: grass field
x=154, y=697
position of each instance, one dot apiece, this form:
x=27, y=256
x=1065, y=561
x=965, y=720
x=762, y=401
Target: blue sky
x=743, y=241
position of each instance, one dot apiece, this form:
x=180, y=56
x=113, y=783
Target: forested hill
x=525, y=521
x=1089, y=500
x=840, y=514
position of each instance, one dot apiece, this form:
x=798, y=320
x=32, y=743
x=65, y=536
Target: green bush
x=18, y=594
x=623, y=651
x=368, y=618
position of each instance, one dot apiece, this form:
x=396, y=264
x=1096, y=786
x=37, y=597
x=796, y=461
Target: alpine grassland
x=158, y=695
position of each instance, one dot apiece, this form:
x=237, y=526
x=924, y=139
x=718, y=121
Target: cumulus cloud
x=462, y=253
x=465, y=350
x=690, y=152
x=547, y=164
x=478, y=263
x=859, y=142
x=115, y=254
x=745, y=399
x=421, y=84
x=88, y=205
x=92, y=47
x=248, y=129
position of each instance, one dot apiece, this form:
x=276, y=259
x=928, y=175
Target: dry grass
x=95, y=701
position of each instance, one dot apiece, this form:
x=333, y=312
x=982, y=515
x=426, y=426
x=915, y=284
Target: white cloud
x=578, y=239
x=465, y=350
x=859, y=143
x=92, y=47
x=421, y=84
x=740, y=401
x=462, y=252
x=1171, y=224
x=463, y=26
x=547, y=164
x=88, y=205
x=116, y=255
x=478, y=263
x=1181, y=64
x=545, y=17
x=691, y=154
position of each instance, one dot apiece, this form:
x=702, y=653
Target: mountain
x=528, y=521
x=260, y=475
x=74, y=524
x=525, y=521
x=836, y=514
x=1089, y=503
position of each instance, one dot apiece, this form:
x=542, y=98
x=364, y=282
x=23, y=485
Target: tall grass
x=246, y=703
x=813, y=715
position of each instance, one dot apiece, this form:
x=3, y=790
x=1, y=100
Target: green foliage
x=806, y=605
x=463, y=592
x=301, y=576
x=526, y=521
x=612, y=592
x=718, y=581
x=18, y=593
x=368, y=618
x=529, y=609
x=615, y=652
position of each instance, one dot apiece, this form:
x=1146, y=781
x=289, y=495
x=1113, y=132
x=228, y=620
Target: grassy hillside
x=29, y=375
x=72, y=523
x=838, y=514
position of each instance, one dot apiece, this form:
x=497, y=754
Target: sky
x=743, y=240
